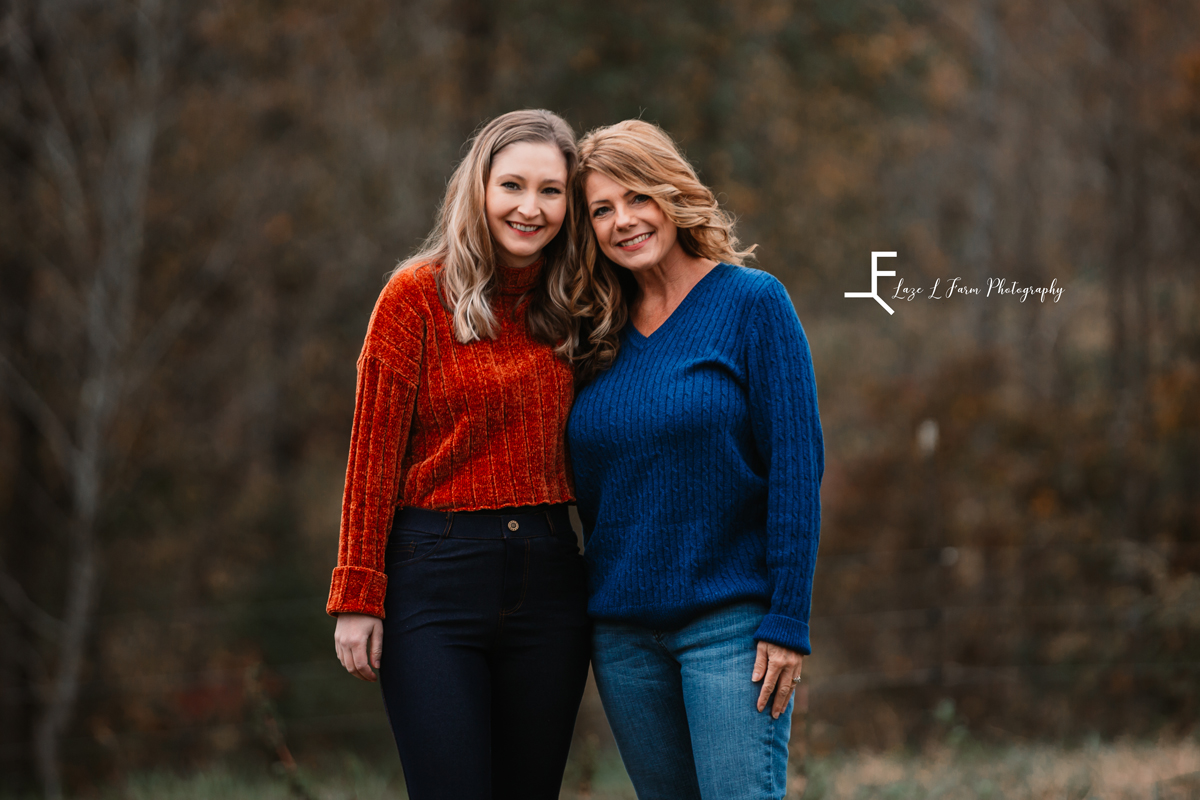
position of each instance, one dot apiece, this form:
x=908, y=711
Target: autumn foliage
x=199, y=204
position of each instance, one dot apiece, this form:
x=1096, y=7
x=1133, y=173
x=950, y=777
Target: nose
x=624, y=218
x=528, y=206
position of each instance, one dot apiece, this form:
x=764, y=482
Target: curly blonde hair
x=642, y=157
x=461, y=245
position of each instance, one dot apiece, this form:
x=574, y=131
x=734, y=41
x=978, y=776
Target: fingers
x=779, y=668
x=345, y=654
x=376, y=643
x=362, y=668
x=358, y=642
x=760, y=663
x=769, y=681
x=784, y=693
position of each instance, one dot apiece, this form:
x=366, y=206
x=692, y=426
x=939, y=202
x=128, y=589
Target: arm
x=388, y=374
x=787, y=431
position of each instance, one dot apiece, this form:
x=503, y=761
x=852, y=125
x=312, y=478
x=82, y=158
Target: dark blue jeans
x=485, y=650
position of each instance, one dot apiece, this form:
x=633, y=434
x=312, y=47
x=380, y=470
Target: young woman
x=458, y=576
x=698, y=458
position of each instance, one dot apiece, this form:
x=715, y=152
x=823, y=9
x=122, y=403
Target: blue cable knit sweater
x=698, y=460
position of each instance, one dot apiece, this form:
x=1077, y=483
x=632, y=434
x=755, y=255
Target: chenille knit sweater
x=442, y=425
x=698, y=460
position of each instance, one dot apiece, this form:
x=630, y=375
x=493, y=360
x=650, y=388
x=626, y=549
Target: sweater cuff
x=785, y=631
x=357, y=590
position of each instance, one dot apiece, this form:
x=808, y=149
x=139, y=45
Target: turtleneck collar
x=518, y=281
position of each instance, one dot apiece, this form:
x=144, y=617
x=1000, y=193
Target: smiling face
x=630, y=228
x=525, y=200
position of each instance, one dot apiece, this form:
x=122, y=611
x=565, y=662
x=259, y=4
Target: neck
x=517, y=280
x=668, y=282
x=520, y=263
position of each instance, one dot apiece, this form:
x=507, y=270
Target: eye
x=600, y=212
x=638, y=199
x=512, y=185
x=552, y=190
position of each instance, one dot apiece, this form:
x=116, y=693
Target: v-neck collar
x=638, y=339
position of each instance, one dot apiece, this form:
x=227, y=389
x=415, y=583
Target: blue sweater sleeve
x=787, y=431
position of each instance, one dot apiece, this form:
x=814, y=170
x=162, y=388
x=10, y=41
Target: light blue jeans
x=684, y=710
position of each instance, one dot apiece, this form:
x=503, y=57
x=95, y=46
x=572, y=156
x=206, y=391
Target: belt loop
x=449, y=522
x=550, y=522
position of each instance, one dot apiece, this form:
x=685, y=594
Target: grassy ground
x=1146, y=771
x=1113, y=772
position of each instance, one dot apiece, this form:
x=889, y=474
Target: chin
x=523, y=252
x=632, y=264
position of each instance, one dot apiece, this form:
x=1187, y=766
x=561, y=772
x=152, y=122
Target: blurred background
x=199, y=203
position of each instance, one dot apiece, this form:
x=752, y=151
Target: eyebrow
x=605, y=200
x=522, y=177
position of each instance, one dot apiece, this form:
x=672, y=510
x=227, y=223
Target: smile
x=523, y=228
x=635, y=241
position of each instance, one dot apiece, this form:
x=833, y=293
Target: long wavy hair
x=642, y=157
x=460, y=245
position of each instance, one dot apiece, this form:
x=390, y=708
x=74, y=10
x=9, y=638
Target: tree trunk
x=18, y=638
x=476, y=26
x=117, y=201
x=1125, y=153
x=981, y=238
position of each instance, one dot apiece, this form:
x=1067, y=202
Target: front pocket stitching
x=432, y=550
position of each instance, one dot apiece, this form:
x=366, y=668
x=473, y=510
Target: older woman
x=698, y=456
x=458, y=575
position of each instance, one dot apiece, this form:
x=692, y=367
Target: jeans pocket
x=565, y=544
x=406, y=547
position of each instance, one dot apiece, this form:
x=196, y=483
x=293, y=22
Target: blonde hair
x=460, y=244
x=642, y=157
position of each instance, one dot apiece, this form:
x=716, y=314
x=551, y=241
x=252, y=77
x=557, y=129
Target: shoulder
x=768, y=313
x=402, y=314
x=408, y=292
x=751, y=288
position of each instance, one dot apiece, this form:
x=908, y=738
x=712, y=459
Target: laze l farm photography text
x=998, y=287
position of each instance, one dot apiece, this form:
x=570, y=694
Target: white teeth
x=524, y=228
x=635, y=240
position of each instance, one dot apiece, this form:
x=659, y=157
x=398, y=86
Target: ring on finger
x=795, y=680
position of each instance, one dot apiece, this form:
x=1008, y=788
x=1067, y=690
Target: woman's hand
x=776, y=666
x=355, y=636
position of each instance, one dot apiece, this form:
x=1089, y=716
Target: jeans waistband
x=515, y=523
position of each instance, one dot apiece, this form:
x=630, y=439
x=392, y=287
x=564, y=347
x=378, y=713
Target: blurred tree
x=89, y=137
x=100, y=174
x=232, y=220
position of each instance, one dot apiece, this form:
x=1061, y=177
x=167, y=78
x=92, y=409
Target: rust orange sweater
x=445, y=426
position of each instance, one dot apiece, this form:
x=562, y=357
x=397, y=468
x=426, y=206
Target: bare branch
x=1189, y=187
x=24, y=395
x=1086, y=27
x=25, y=609
x=78, y=612
x=185, y=307
x=58, y=277
x=55, y=141
x=149, y=38
x=124, y=186
x=962, y=32
x=78, y=89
